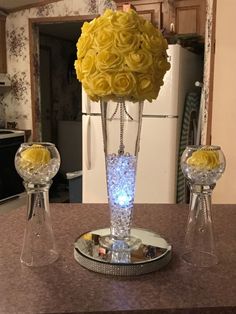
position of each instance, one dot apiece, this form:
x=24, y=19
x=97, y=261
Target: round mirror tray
x=151, y=253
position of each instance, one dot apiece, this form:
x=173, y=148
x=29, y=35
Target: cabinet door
x=3, y=64
x=188, y=16
x=149, y=9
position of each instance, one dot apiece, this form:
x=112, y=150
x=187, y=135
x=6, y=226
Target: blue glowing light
x=121, y=173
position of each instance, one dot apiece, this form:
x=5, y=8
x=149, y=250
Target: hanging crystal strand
x=39, y=245
x=122, y=146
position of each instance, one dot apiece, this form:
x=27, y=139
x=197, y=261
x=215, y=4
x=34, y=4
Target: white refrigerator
x=161, y=125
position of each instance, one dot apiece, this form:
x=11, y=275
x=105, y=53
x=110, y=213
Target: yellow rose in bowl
x=204, y=159
x=35, y=156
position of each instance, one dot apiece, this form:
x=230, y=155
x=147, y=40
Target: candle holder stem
x=199, y=247
x=38, y=245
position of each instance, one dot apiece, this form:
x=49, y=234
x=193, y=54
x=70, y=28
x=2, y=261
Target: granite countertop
x=66, y=287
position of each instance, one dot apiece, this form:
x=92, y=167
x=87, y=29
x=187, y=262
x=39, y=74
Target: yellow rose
x=139, y=61
x=126, y=41
x=204, y=159
x=108, y=61
x=122, y=83
x=85, y=82
x=102, y=23
x=88, y=27
x=104, y=39
x=88, y=63
x=83, y=45
x=152, y=43
x=124, y=20
x=78, y=70
x=100, y=84
x=35, y=156
x=146, y=87
x=149, y=28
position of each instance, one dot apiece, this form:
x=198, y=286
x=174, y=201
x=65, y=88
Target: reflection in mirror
x=58, y=116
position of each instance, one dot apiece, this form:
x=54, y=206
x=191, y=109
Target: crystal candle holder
x=37, y=164
x=202, y=166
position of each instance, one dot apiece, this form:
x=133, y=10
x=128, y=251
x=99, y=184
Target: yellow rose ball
x=120, y=54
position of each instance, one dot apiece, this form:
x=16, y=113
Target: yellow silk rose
x=124, y=20
x=100, y=85
x=126, y=41
x=84, y=44
x=103, y=40
x=147, y=87
x=88, y=63
x=139, y=61
x=109, y=61
x=122, y=83
x=204, y=159
x=120, y=54
x=35, y=156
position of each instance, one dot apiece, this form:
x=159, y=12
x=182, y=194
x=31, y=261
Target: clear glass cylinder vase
x=121, y=123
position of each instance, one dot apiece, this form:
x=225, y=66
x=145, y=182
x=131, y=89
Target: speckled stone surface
x=66, y=287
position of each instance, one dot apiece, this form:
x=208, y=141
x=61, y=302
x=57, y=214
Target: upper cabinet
x=173, y=16
x=188, y=16
x=3, y=62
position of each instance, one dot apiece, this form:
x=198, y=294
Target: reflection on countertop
x=13, y=203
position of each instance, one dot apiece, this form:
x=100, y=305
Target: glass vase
x=202, y=166
x=121, y=123
x=37, y=164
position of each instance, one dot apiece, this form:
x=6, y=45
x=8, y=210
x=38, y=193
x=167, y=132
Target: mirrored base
x=152, y=253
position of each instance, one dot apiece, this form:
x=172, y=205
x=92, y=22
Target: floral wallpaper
x=17, y=103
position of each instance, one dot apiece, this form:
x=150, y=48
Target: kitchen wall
x=17, y=103
x=224, y=99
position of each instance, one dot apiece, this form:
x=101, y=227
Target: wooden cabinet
x=3, y=61
x=187, y=16
x=180, y=16
x=149, y=9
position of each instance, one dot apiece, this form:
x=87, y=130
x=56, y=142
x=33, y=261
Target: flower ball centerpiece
x=121, y=55
x=121, y=62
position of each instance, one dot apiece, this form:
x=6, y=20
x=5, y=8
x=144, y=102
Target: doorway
x=58, y=98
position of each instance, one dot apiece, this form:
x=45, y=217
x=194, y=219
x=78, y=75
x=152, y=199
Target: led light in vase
x=121, y=173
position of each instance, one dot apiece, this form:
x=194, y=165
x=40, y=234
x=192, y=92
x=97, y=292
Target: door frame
x=34, y=64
